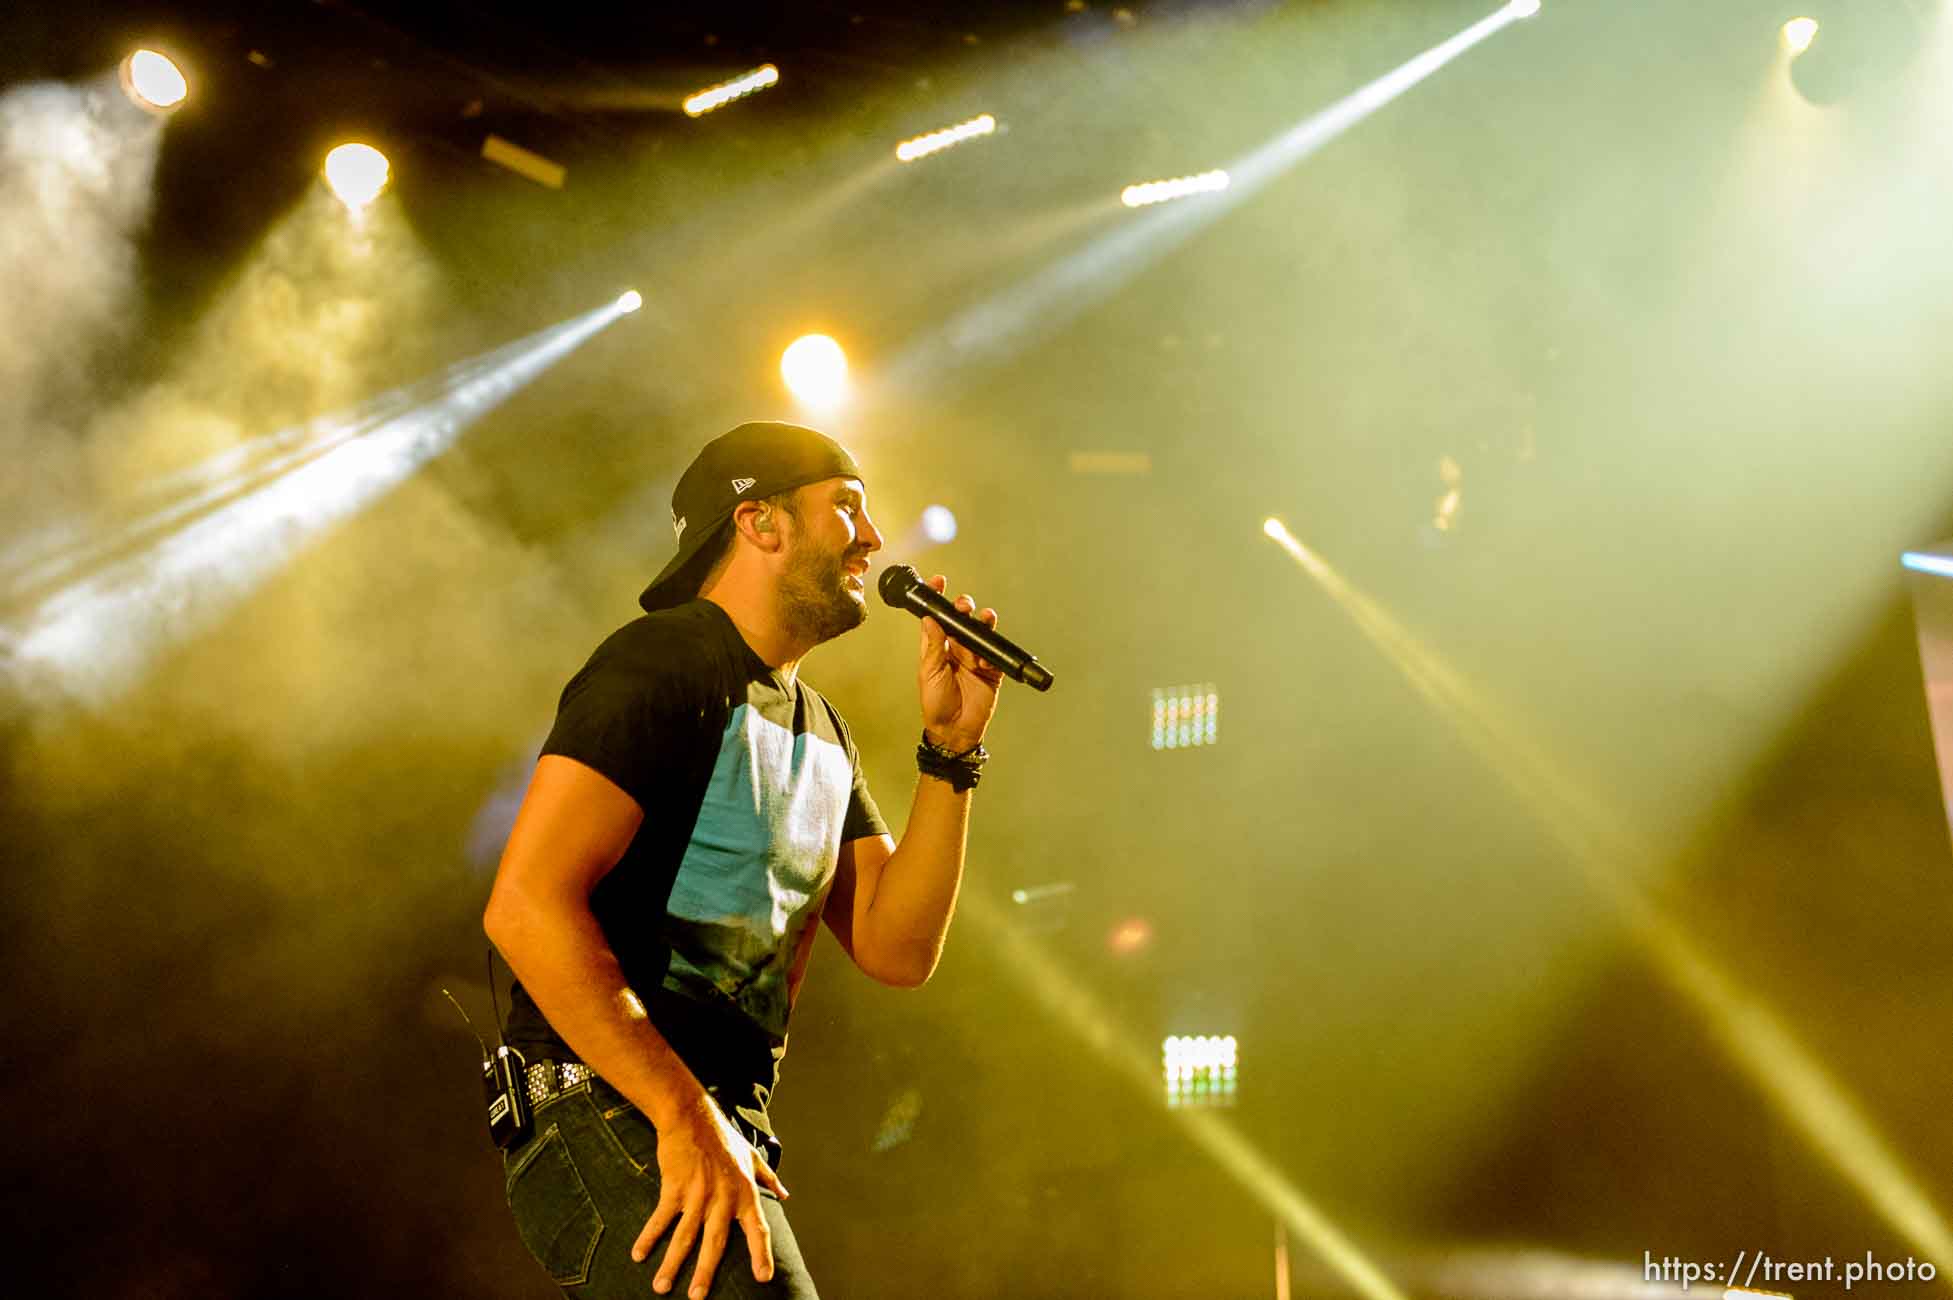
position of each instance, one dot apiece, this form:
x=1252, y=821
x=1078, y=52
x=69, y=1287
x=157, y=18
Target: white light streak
x=93, y=636
x=33, y=565
x=1939, y=565
x=937, y=141
x=726, y=91
x=1180, y=187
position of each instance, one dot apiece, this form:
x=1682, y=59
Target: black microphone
x=903, y=588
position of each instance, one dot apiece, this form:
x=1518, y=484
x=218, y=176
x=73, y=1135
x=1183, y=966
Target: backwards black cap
x=752, y=461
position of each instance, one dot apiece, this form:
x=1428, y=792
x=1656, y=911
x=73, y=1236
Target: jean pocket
x=553, y=1211
x=636, y=1138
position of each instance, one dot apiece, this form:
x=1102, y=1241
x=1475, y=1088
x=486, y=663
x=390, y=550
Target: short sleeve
x=619, y=716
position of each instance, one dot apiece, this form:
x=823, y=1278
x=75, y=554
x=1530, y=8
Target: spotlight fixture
x=816, y=370
x=1522, y=8
x=630, y=301
x=154, y=82
x=356, y=174
x=937, y=141
x=726, y=91
x=1139, y=196
x=1798, y=34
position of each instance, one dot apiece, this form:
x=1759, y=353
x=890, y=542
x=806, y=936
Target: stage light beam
x=1605, y=850
x=92, y=637
x=816, y=371
x=1056, y=986
x=630, y=301
x=154, y=81
x=1049, y=298
x=356, y=174
x=1798, y=34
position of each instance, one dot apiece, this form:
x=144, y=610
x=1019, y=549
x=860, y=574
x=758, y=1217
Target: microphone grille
x=895, y=582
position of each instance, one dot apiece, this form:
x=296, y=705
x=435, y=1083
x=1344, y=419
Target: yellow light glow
x=1274, y=528
x=631, y=301
x=357, y=173
x=153, y=81
x=1798, y=34
x=816, y=370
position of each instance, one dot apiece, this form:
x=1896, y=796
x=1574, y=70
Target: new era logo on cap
x=678, y=526
x=741, y=484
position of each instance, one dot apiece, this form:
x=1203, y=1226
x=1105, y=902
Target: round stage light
x=1273, y=527
x=357, y=173
x=939, y=525
x=154, y=82
x=631, y=301
x=1522, y=8
x=816, y=370
x=1798, y=34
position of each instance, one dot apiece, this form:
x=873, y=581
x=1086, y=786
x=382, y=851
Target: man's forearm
x=563, y=960
x=915, y=895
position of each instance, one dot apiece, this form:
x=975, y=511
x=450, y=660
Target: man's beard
x=814, y=601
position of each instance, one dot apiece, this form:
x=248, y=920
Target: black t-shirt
x=749, y=785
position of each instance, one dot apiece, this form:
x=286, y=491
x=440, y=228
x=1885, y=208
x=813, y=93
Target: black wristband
x=962, y=771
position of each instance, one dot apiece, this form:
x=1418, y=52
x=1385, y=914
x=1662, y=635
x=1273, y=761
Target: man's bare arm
x=573, y=827
x=890, y=906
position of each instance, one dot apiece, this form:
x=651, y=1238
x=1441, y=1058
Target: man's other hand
x=709, y=1176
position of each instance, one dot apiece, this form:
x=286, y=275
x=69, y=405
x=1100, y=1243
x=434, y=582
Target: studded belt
x=548, y=1079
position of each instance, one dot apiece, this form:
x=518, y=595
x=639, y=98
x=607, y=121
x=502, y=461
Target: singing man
x=697, y=810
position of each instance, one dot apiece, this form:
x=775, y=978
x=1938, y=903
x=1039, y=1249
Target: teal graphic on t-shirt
x=777, y=801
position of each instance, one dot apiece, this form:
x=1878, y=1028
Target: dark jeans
x=585, y=1182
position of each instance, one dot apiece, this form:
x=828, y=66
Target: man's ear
x=757, y=522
